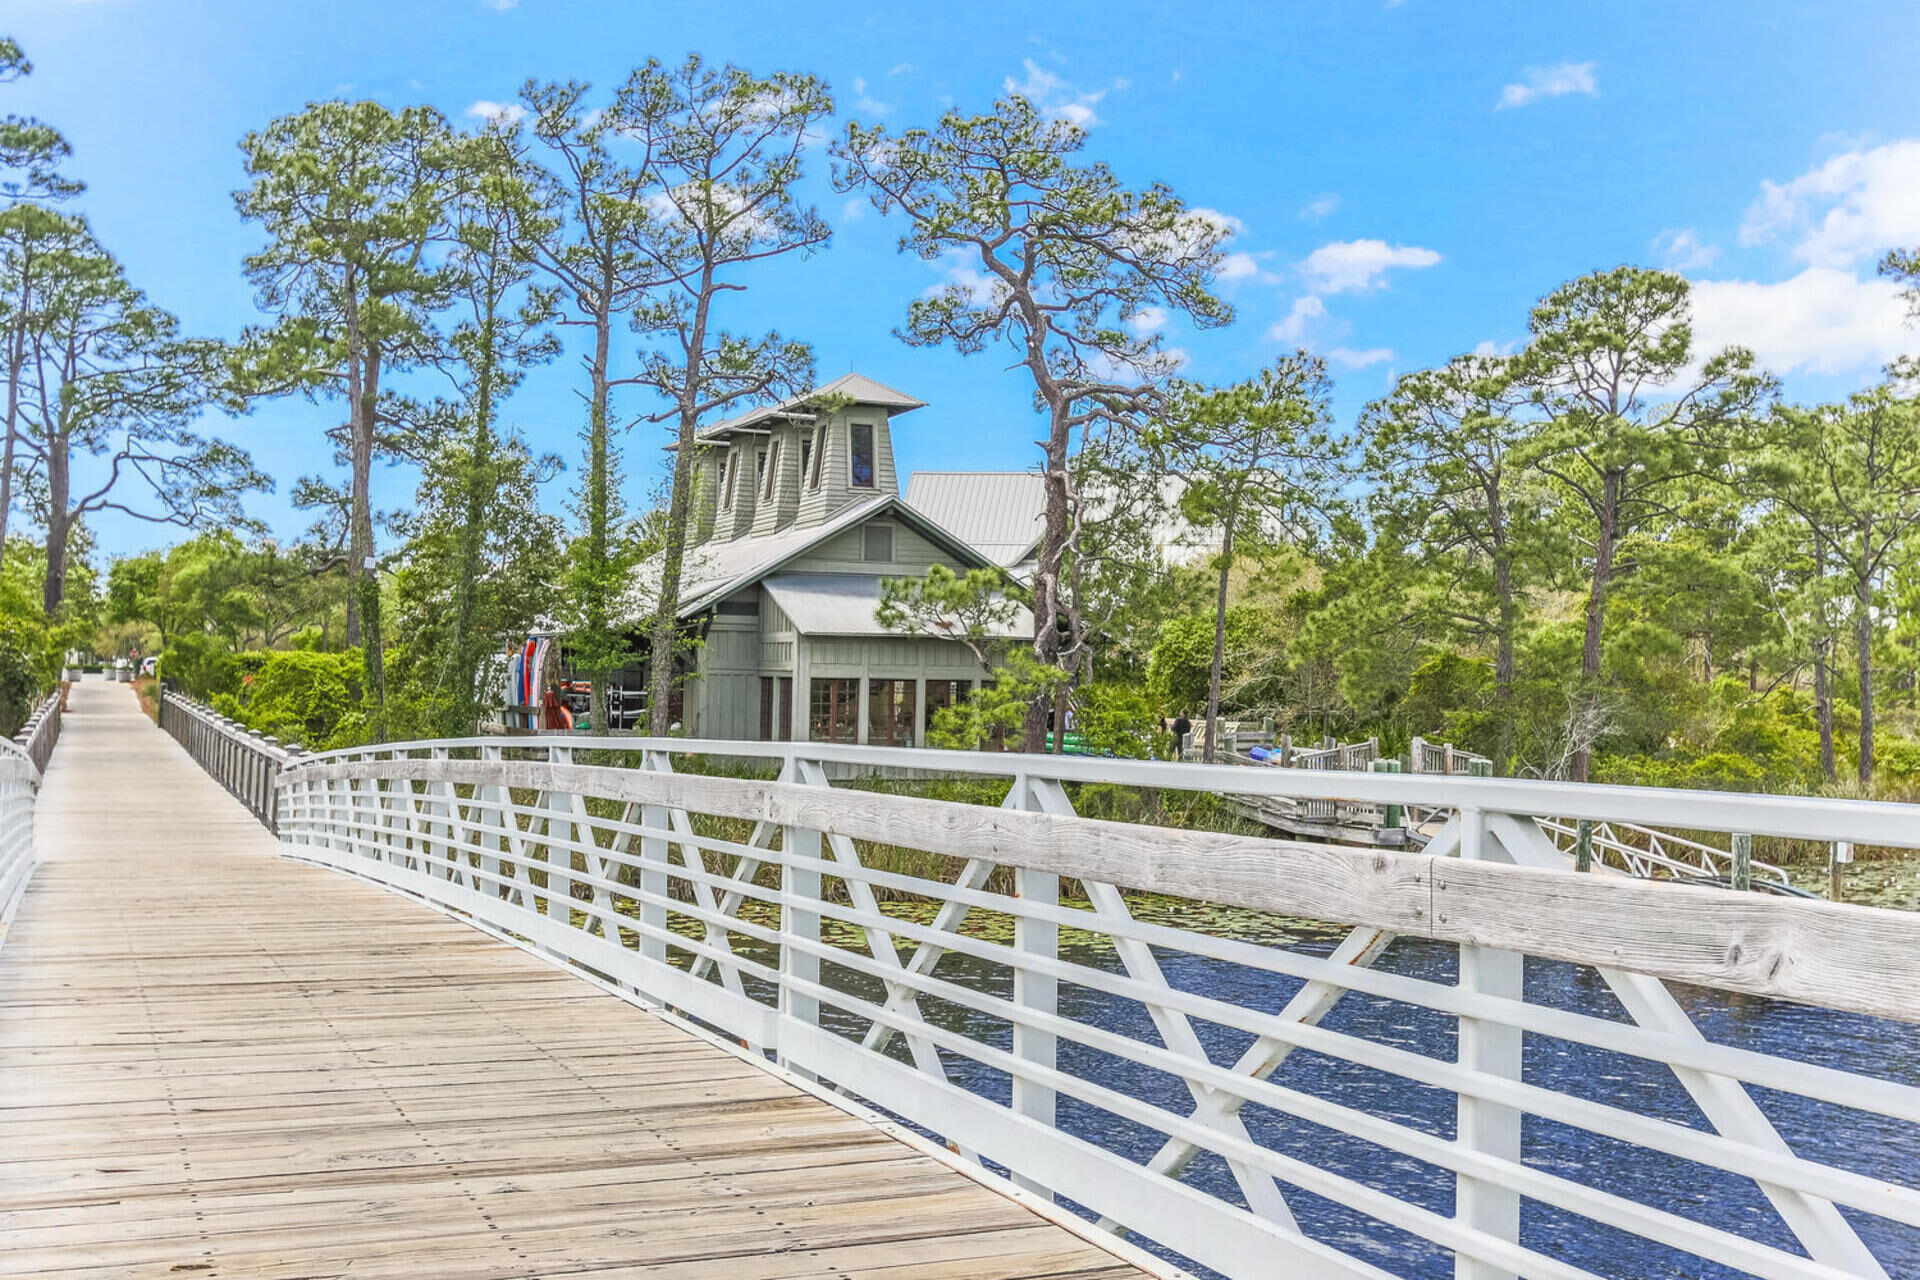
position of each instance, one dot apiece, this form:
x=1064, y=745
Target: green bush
x=200, y=665
x=298, y=696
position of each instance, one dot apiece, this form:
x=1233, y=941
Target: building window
x=879, y=543
x=819, y=455
x=776, y=708
x=760, y=468
x=722, y=486
x=730, y=478
x=944, y=693
x=860, y=455
x=770, y=467
x=890, y=713
x=833, y=710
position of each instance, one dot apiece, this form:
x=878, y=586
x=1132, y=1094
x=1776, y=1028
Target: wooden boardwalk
x=217, y=1062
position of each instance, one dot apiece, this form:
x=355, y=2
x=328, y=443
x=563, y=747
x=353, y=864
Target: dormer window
x=760, y=468
x=726, y=489
x=860, y=455
x=769, y=468
x=819, y=455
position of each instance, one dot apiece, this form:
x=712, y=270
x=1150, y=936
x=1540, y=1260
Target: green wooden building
x=799, y=518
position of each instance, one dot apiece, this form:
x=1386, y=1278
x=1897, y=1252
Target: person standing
x=1182, y=727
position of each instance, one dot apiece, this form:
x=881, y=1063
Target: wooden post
x=1034, y=991
x=799, y=922
x=1393, y=816
x=1583, y=845
x=1742, y=861
x=654, y=857
x=1837, y=861
x=1481, y=1125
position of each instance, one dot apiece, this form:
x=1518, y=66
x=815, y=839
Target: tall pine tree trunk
x=59, y=519
x=1863, y=662
x=1603, y=551
x=1506, y=624
x=473, y=527
x=1823, y=704
x=596, y=610
x=16, y=366
x=1049, y=605
x=1219, y=639
x=666, y=619
x=366, y=593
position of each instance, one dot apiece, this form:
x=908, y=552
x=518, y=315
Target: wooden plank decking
x=217, y=1062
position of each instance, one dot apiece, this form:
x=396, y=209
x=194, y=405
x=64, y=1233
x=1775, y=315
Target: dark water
x=1834, y=1135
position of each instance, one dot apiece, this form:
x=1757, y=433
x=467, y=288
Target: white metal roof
x=1001, y=513
x=843, y=604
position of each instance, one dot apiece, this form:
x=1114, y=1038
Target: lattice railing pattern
x=759, y=908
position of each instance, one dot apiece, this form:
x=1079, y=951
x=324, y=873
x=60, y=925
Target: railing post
x=1393, y=815
x=799, y=923
x=559, y=860
x=1037, y=992
x=1742, y=861
x=1837, y=861
x=1583, y=845
x=272, y=814
x=654, y=855
x=1482, y=1125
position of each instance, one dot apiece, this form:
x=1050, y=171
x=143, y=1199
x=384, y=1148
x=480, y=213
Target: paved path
x=217, y=1062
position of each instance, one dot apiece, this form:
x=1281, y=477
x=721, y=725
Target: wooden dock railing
x=755, y=906
x=21, y=763
x=240, y=759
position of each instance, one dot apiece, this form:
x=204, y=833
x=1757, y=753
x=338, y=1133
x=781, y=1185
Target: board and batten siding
x=845, y=552
x=836, y=491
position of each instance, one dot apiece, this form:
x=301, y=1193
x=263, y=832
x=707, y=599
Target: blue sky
x=1407, y=178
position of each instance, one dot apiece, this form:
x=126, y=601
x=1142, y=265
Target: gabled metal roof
x=844, y=604
x=1000, y=513
x=857, y=387
x=721, y=567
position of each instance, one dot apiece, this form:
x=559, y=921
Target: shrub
x=300, y=696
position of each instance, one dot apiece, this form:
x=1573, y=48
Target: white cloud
x=1236, y=267
x=852, y=211
x=1349, y=358
x=1487, y=348
x=1321, y=206
x=497, y=112
x=500, y=6
x=1307, y=314
x=1223, y=222
x=1823, y=320
x=1550, y=82
x=1053, y=96
x=1683, y=250
x=900, y=68
x=977, y=287
x=865, y=102
x=1855, y=205
x=1147, y=321
x=1349, y=266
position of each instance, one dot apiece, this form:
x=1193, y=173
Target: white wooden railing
x=21, y=763
x=240, y=759
x=754, y=907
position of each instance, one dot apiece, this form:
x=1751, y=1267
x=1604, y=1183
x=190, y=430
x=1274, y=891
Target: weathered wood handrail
x=240, y=759
x=709, y=894
x=21, y=763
